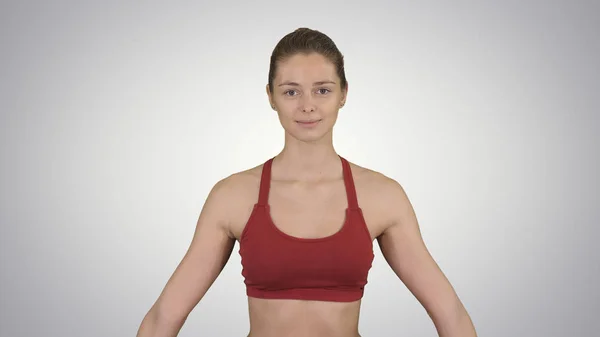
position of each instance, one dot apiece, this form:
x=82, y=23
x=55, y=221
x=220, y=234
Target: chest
x=273, y=259
x=308, y=211
x=313, y=211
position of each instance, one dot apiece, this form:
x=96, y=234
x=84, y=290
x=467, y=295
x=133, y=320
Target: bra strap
x=265, y=183
x=349, y=182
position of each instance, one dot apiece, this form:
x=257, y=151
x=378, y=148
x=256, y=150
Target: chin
x=310, y=135
x=309, y=138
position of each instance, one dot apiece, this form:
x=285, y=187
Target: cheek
x=329, y=106
x=333, y=103
x=286, y=115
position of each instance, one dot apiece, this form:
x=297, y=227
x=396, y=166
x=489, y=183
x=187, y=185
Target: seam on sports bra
x=364, y=225
x=250, y=220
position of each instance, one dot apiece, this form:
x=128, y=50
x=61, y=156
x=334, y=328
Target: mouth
x=309, y=122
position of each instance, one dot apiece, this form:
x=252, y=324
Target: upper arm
x=403, y=248
x=209, y=250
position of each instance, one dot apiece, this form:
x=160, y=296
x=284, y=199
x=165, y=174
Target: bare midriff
x=297, y=318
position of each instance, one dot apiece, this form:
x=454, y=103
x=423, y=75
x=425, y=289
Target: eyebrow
x=297, y=85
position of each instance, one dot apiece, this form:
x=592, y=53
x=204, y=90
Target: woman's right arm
x=209, y=251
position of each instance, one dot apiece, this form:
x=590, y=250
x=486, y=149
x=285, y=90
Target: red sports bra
x=279, y=266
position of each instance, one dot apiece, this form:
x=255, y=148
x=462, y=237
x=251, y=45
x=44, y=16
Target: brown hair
x=306, y=41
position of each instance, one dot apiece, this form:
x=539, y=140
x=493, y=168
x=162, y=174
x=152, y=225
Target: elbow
x=164, y=318
x=166, y=315
x=156, y=323
x=453, y=320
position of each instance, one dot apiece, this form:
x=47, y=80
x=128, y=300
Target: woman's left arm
x=403, y=248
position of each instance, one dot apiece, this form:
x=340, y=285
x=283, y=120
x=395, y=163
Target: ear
x=270, y=96
x=344, y=96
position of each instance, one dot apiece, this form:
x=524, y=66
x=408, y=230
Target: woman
x=306, y=221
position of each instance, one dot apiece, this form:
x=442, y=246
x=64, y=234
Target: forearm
x=153, y=325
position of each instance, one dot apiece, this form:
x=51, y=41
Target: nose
x=307, y=105
x=308, y=109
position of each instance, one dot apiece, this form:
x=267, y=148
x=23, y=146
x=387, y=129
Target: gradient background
x=117, y=118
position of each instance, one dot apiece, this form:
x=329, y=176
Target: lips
x=309, y=121
x=309, y=124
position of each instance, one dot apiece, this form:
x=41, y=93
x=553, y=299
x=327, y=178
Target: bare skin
x=307, y=199
x=290, y=199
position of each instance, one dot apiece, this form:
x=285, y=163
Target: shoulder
x=237, y=187
x=372, y=182
x=383, y=199
x=238, y=184
x=234, y=196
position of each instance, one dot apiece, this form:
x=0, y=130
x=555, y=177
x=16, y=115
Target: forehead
x=306, y=68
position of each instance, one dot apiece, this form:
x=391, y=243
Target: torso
x=314, y=210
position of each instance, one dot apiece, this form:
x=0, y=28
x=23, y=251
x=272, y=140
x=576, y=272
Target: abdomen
x=297, y=318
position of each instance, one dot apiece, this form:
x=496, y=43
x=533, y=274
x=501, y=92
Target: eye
x=289, y=92
x=323, y=91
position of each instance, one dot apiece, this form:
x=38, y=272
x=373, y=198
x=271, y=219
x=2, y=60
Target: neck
x=308, y=160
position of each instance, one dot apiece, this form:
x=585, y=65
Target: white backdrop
x=117, y=118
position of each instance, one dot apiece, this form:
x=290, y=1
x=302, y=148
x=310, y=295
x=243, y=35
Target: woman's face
x=307, y=96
